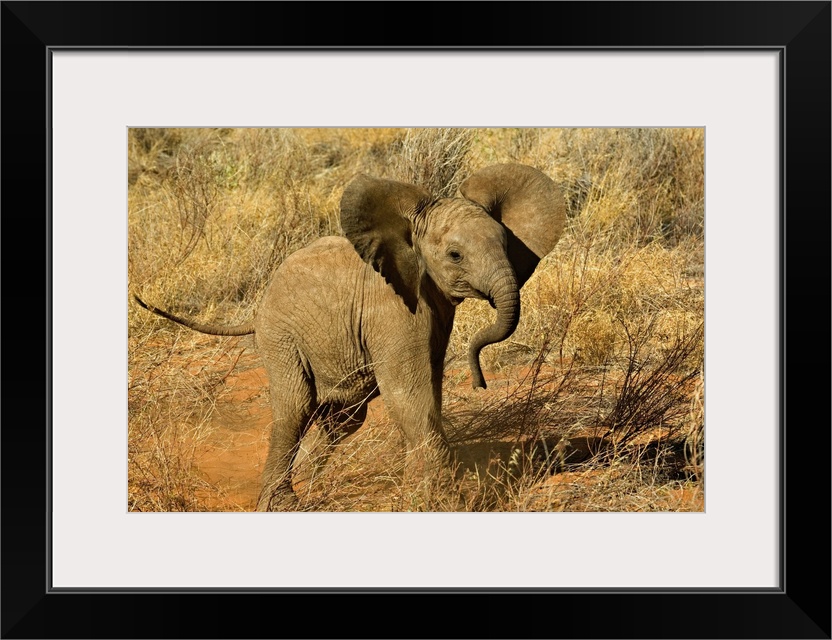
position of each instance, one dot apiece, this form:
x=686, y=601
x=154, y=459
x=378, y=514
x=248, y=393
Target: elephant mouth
x=473, y=293
x=484, y=296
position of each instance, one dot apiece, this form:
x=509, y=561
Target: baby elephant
x=348, y=318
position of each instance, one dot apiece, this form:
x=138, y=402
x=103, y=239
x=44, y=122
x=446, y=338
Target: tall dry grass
x=590, y=405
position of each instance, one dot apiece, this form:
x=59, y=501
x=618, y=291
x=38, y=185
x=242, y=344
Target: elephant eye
x=454, y=255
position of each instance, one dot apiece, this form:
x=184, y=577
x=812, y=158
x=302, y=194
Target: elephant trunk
x=505, y=294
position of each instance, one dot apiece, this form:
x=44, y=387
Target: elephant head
x=485, y=243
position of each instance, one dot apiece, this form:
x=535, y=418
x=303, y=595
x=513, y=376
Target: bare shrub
x=169, y=419
x=195, y=192
x=695, y=433
x=656, y=382
x=434, y=159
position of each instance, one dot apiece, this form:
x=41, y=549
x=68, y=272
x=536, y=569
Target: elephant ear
x=528, y=204
x=378, y=216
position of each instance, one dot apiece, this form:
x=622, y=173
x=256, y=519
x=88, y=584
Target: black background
x=801, y=609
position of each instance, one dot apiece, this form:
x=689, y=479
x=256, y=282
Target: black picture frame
x=799, y=31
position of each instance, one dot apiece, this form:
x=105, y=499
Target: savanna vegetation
x=595, y=403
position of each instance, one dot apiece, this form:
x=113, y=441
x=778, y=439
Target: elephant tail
x=239, y=330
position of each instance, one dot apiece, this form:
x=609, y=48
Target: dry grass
x=594, y=404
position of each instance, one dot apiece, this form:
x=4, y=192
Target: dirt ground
x=231, y=457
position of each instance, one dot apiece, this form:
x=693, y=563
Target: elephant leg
x=417, y=409
x=292, y=398
x=334, y=423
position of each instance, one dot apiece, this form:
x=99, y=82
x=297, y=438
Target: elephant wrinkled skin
x=348, y=318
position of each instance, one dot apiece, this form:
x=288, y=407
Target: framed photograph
x=635, y=447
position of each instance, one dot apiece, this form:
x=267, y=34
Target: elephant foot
x=431, y=494
x=428, y=482
x=278, y=501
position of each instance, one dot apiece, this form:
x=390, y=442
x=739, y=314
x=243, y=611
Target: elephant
x=350, y=317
